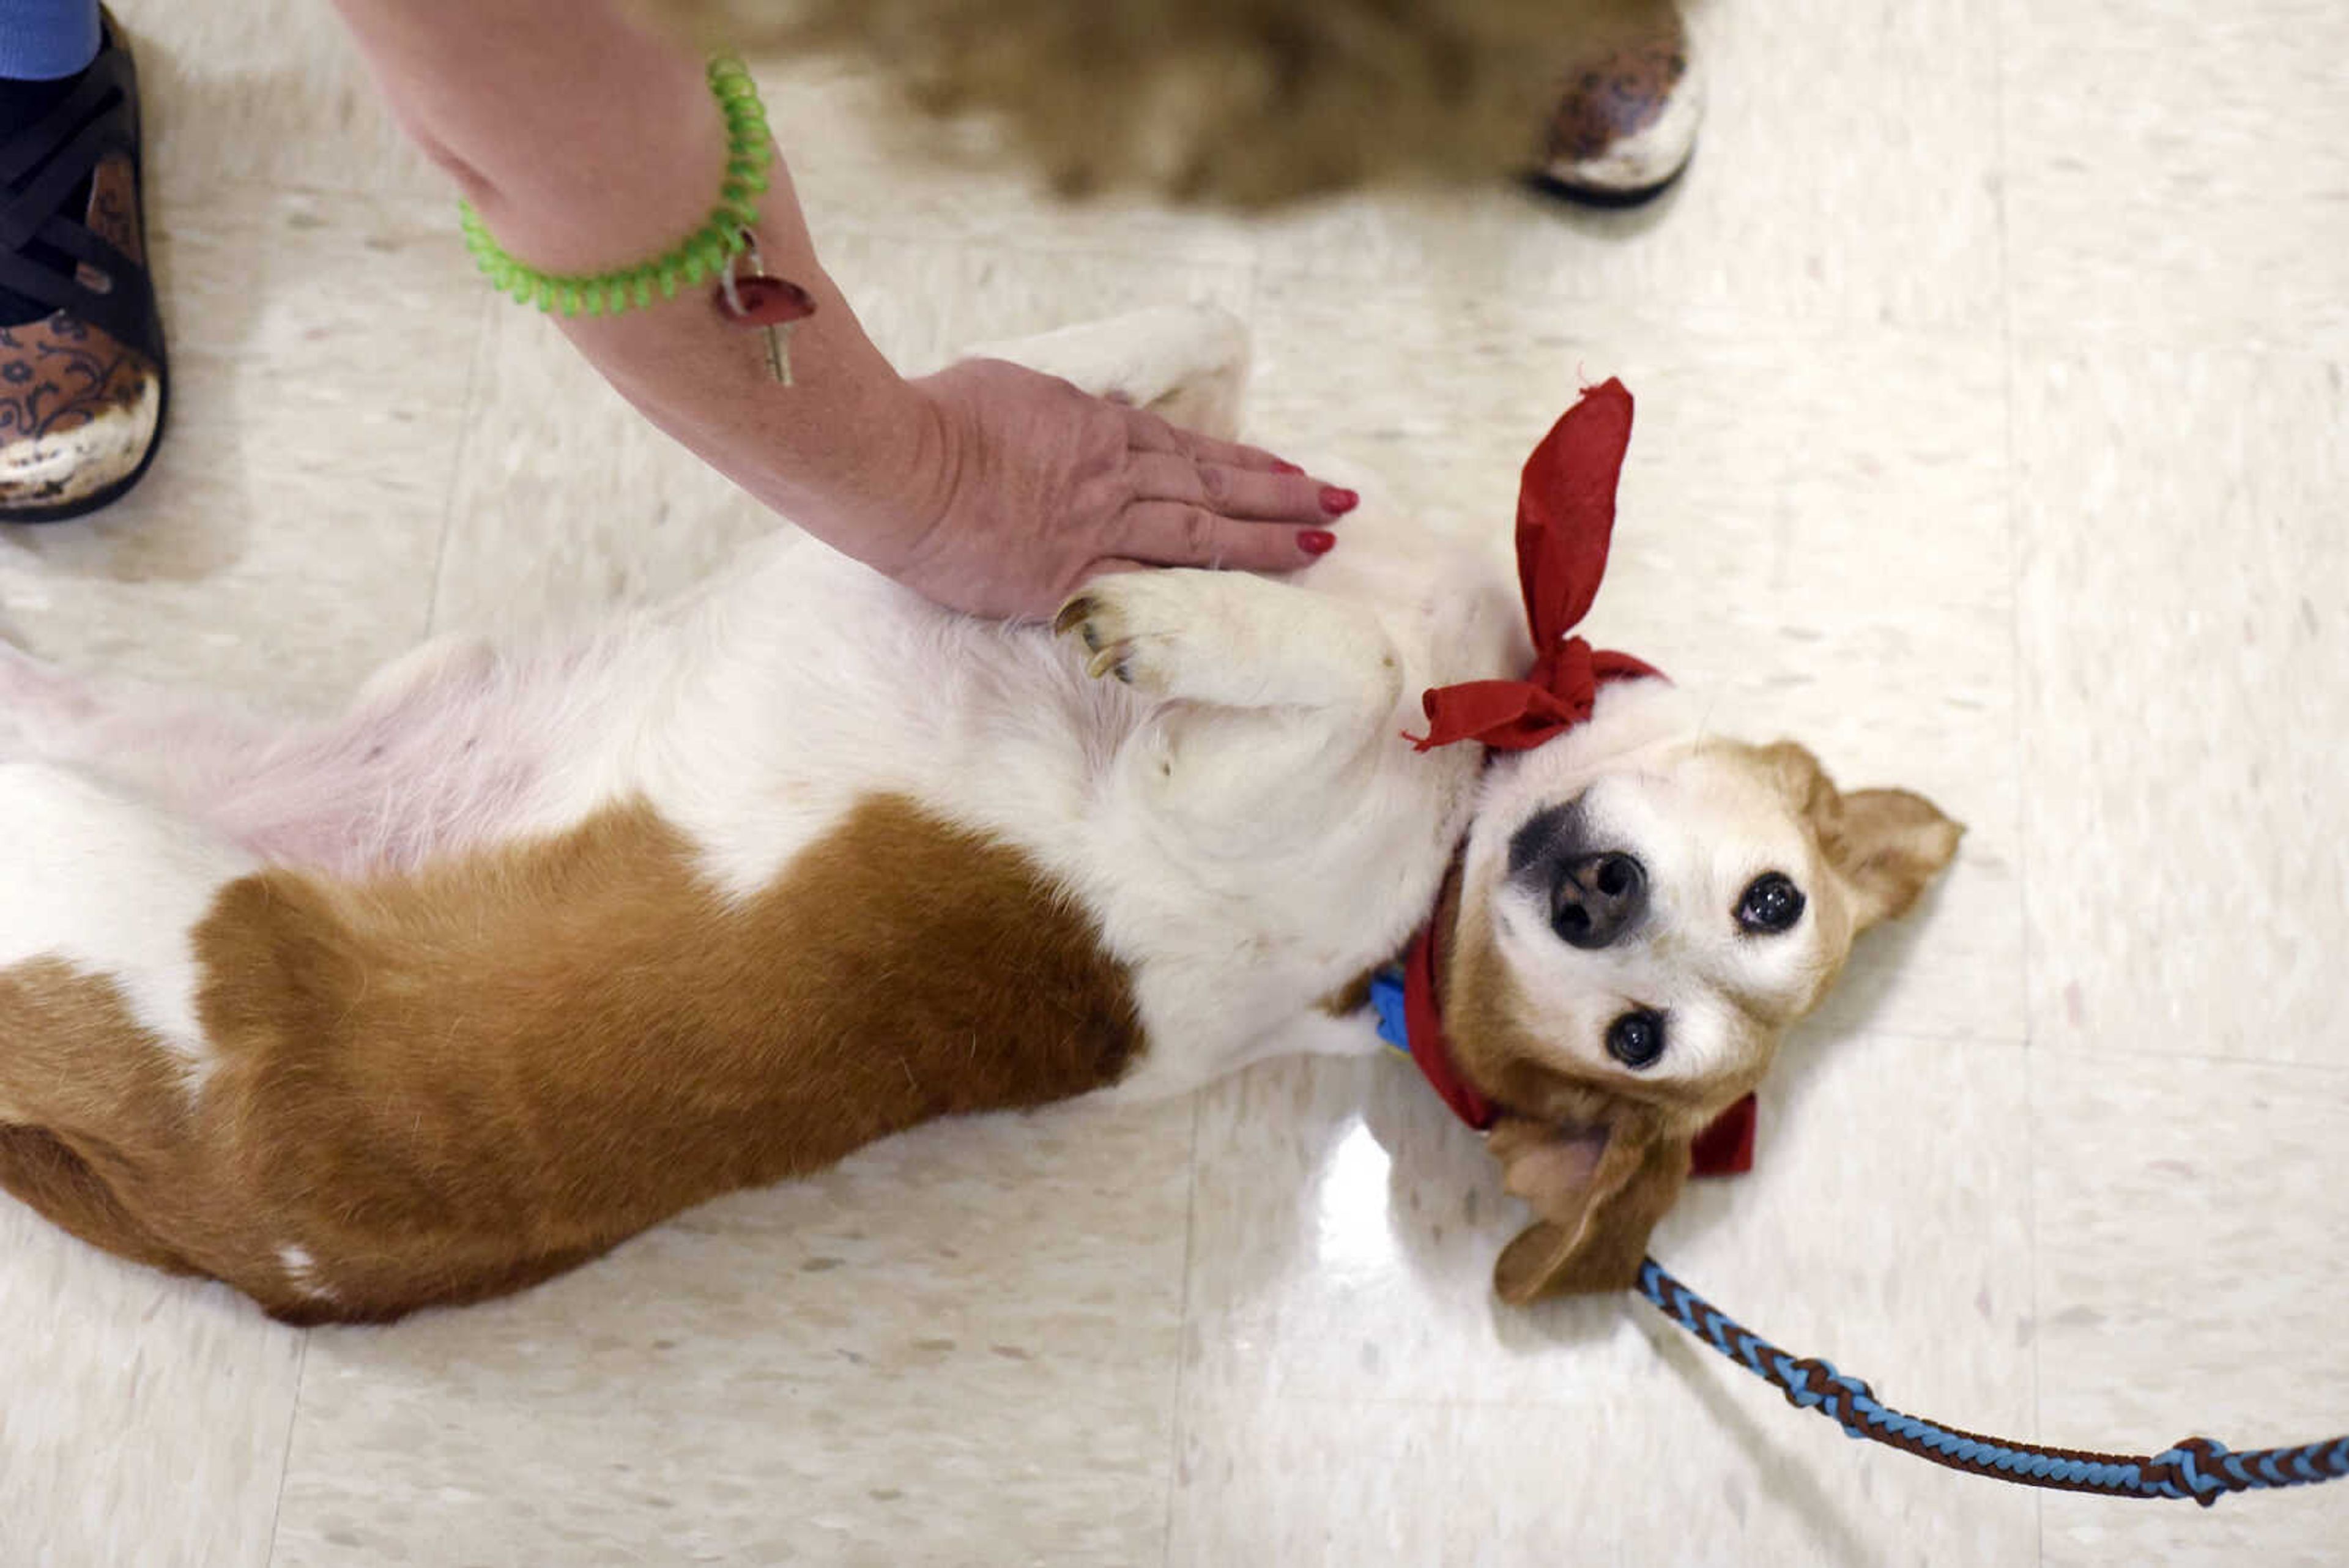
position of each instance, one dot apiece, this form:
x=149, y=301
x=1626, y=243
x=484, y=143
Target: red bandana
x=1566, y=518
x=1566, y=515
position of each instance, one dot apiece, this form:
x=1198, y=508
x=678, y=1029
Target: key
x=772, y=304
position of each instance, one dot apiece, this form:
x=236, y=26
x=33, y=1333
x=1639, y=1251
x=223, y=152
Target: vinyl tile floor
x=1994, y=440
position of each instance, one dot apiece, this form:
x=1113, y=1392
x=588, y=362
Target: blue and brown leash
x=2198, y=1467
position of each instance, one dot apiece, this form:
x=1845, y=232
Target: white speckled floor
x=1993, y=437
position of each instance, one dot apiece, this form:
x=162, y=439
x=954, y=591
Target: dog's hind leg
x=105, y=1060
x=440, y=748
x=96, y=882
x=139, y=732
x=41, y=1171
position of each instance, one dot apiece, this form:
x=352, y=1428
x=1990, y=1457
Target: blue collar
x=1386, y=997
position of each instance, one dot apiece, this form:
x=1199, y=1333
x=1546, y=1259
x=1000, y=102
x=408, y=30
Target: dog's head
x=1642, y=911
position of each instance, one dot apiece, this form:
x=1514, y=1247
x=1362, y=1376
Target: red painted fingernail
x=1317, y=541
x=1337, y=502
x=1280, y=467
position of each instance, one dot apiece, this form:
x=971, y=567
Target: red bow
x=1566, y=515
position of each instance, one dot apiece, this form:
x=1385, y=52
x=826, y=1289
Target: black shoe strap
x=43, y=248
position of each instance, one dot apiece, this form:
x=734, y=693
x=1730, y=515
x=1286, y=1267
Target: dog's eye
x=1772, y=904
x=1637, y=1039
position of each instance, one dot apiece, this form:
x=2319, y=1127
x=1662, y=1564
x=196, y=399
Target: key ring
x=731, y=292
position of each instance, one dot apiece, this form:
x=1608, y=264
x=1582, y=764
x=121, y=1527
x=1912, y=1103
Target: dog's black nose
x=1597, y=899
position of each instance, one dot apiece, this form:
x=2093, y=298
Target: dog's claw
x=1095, y=617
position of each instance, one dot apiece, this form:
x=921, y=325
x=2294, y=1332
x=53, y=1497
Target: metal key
x=772, y=304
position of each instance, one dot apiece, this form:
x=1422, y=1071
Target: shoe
x=83, y=382
x=1626, y=124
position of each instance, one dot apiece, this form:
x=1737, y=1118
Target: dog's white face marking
x=1713, y=922
x=1660, y=906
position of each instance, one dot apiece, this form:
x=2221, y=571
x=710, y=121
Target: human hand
x=1044, y=486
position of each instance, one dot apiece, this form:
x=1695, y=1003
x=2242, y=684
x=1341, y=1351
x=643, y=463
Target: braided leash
x=2198, y=1467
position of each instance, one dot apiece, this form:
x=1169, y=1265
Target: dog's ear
x=1887, y=845
x=1598, y=1190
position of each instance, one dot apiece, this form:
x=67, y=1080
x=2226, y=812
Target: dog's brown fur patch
x=1350, y=997
x=445, y=1087
x=104, y=1091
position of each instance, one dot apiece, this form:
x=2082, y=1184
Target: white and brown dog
x=533, y=948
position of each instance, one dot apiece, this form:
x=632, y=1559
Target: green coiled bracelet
x=702, y=254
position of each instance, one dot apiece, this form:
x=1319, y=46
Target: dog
x=538, y=945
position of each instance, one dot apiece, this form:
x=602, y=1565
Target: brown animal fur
x=1600, y=1186
x=1241, y=102
x=445, y=1087
x=1887, y=844
x=1350, y=997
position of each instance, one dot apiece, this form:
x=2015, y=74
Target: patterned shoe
x=82, y=378
x=1626, y=124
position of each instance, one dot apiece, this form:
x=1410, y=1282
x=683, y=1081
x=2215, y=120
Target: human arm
x=587, y=143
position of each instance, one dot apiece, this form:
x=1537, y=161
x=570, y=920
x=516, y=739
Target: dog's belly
x=808, y=683
x=446, y=756
x=752, y=718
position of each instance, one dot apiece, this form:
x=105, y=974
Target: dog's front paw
x=1231, y=640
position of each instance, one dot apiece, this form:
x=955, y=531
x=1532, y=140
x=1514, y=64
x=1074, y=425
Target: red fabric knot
x=1566, y=518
